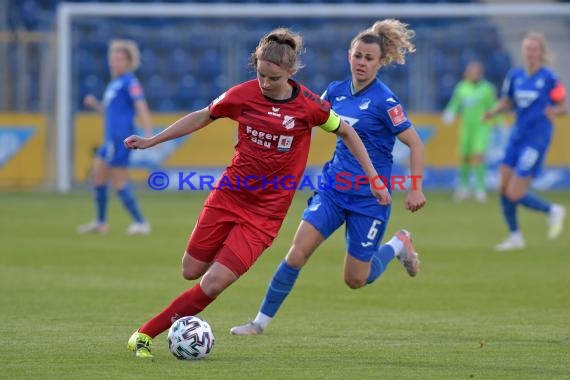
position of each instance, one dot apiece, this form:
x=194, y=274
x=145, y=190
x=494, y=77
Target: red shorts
x=236, y=241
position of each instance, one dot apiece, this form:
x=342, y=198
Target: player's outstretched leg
x=99, y=225
x=515, y=239
x=279, y=288
x=140, y=344
x=139, y=226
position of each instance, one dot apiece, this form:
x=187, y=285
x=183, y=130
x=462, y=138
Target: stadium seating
x=182, y=61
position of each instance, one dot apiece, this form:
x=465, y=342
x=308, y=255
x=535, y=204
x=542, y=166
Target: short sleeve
x=556, y=91
x=227, y=104
x=318, y=110
x=394, y=116
x=135, y=90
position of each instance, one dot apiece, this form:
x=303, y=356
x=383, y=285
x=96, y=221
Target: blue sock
x=510, y=213
x=279, y=288
x=534, y=202
x=101, y=203
x=380, y=262
x=128, y=198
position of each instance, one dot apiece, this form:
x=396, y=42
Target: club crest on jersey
x=539, y=83
x=364, y=104
x=397, y=115
x=284, y=144
x=288, y=122
x=274, y=112
x=136, y=89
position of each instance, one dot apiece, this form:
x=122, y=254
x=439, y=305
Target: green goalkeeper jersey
x=471, y=101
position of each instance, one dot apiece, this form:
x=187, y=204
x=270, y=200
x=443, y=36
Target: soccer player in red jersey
x=244, y=213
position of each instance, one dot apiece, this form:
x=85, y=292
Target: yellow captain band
x=332, y=123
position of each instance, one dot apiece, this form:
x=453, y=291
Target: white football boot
x=138, y=229
x=513, y=242
x=556, y=221
x=93, y=227
x=250, y=328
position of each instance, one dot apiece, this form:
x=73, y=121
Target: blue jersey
x=531, y=95
x=119, y=105
x=377, y=116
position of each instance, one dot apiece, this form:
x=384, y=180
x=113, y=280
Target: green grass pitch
x=69, y=303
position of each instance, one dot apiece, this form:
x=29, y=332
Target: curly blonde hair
x=281, y=47
x=130, y=49
x=393, y=37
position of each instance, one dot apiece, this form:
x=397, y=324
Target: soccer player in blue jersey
x=376, y=114
x=537, y=96
x=123, y=99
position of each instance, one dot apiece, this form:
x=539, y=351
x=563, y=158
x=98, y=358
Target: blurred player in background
x=275, y=117
x=378, y=117
x=123, y=99
x=537, y=97
x=472, y=97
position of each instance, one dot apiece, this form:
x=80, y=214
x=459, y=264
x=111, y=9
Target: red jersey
x=271, y=153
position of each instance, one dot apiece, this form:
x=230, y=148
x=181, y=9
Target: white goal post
x=67, y=12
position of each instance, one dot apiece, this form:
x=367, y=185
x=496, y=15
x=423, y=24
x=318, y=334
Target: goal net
x=193, y=52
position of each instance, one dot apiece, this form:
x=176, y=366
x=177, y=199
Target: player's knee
x=354, y=282
x=216, y=280
x=513, y=195
x=191, y=273
x=296, y=257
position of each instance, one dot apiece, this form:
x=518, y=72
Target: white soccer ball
x=190, y=338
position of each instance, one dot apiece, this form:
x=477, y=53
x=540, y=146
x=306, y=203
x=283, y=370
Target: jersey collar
x=361, y=91
x=294, y=93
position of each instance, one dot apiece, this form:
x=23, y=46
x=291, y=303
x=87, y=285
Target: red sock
x=190, y=302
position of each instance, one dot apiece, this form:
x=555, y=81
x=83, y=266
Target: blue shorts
x=114, y=153
x=363, y=233
x=525, y=158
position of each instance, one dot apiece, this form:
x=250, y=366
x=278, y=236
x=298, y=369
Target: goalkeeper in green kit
x=472, y=97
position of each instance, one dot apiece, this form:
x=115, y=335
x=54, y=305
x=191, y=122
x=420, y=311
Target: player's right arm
x=505, y=102
x=91, y=101
x=503, y=105
x=182, y=127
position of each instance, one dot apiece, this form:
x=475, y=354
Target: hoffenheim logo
x=364, y=104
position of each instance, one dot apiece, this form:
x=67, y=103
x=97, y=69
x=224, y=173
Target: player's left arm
x=141, y=107
x=353, y=142
x=143, y=114
x=415, y=199
x=358, y=150
x=558, y=98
